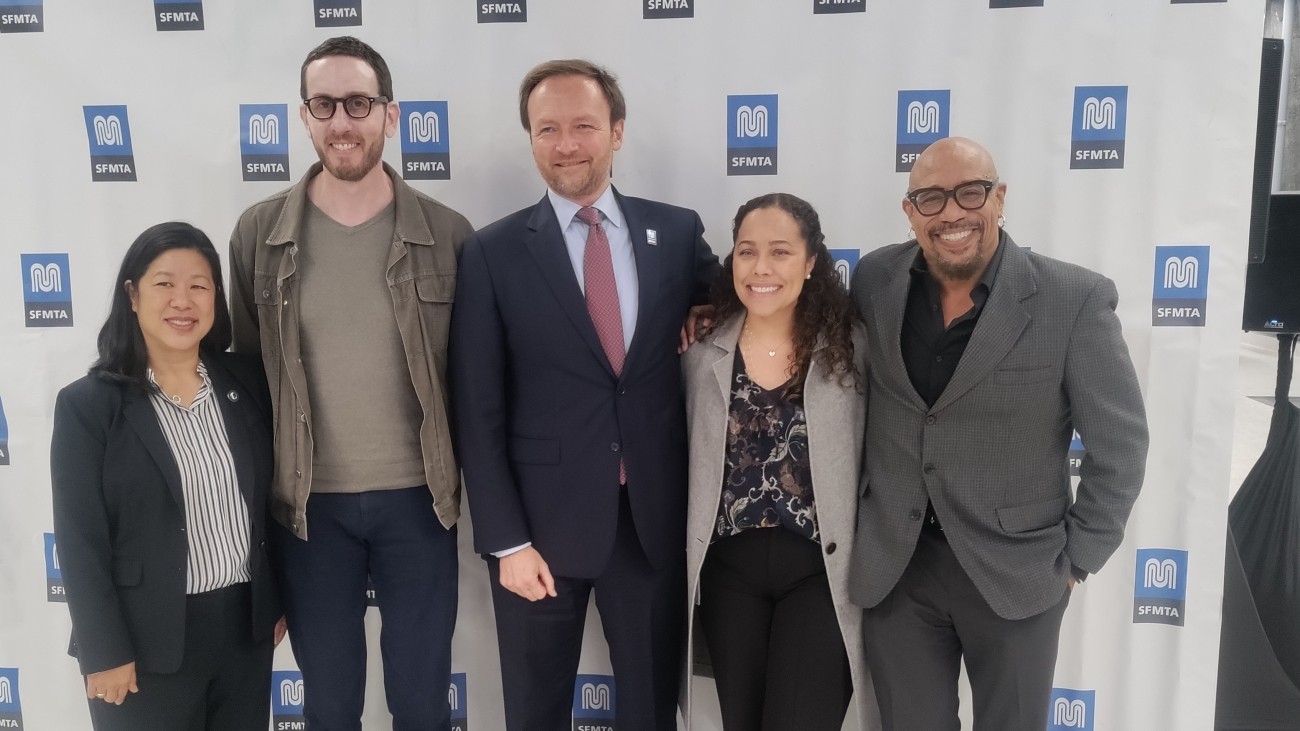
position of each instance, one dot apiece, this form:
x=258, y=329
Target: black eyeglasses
x=357, y=106
x=969, y=196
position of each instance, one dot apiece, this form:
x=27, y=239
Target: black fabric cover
x=1259, y=655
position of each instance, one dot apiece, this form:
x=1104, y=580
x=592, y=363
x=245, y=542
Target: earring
x=910, y=234
x=1002, y=221
x=808, y=275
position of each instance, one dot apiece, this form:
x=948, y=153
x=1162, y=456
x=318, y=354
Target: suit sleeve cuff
x=1078, y=573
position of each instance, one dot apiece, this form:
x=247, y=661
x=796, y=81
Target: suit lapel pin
x=652, y=237
x=233, y=396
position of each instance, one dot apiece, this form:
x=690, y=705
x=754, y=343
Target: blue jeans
x=394, y=537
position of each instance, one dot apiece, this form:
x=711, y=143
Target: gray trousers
x=917, y=636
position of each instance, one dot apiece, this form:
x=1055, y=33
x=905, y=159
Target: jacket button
x=294, y=527
x=303, y=418
x=929, y=468
x=613, y=447
x=914, y=515
x=297, y=473
x=266, y=293
x=930, y=420
x=830, y=548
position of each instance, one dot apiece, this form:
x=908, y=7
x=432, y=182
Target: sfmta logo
x=1071, y=709
x=593, y=703
x=1070, y=714
x=46, y=290
x=426, y=149
x=291, y=692
x=264, y=129
x=287, y=697
x=595, y=697
x=1180, y=288
x=46, y=277
x=752, y=134
x=922, y=118
x=1099, y=113
x=458, y=702
x=424, y=127
x=1182, y=273
x=1097, y=139
x=1160, y=586
x=751, y=122
x=11, y=711
x=263, y=143
x=1160, y=574
x=108, y=131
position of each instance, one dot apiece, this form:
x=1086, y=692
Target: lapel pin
x=233, y=396
x=652, y=237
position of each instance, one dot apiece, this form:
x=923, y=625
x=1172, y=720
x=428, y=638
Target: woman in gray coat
x=776, y=409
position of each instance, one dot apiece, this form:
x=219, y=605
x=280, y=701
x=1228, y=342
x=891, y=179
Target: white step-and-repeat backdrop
x=1124, y=128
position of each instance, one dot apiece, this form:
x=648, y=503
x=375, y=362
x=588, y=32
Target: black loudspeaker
x=1273, y=285
x=1270, y=93
x=1273, y=268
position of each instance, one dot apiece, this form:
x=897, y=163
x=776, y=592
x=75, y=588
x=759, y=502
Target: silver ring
x=99, y=695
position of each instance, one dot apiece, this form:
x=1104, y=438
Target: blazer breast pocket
x=1022, y=376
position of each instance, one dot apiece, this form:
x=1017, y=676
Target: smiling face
x=573, y=138
x=348, y=148
x=957, y=243
x=769, y=263
x=174, y=303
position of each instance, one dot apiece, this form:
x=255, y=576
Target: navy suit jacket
x=541, y=420
x=119, y=515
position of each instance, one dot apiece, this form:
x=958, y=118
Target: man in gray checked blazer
x=984, y=357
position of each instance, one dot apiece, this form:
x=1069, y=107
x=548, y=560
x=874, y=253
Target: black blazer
x=119, y=516
x=541, y=420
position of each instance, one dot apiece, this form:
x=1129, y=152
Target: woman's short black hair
x=123, y=357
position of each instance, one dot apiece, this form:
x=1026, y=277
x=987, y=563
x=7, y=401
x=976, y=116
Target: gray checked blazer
x=835, y=413
x=1046, y=356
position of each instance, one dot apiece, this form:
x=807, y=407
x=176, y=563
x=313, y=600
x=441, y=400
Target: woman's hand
x=111, y=686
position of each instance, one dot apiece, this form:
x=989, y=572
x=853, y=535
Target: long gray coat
x=1046, y=358
x=836, y=414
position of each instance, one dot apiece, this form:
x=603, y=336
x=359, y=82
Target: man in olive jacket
x=344, y=284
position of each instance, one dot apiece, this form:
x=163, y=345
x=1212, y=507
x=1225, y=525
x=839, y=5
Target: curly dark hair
x=824, y=310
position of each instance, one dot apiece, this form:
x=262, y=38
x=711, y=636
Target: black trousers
x=223, y=684
x=916, y=639
x=778, y=653
x=642, y=610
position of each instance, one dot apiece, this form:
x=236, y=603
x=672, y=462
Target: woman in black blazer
x=160, y=463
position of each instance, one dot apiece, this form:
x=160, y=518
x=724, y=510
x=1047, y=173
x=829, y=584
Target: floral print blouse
x=768, y=481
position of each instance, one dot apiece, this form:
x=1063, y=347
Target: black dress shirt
x=932, y=351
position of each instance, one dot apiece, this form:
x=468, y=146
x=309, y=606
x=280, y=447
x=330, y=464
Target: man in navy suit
x=569, y=418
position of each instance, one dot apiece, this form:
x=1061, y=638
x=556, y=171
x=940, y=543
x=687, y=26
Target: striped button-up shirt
x=216, y=514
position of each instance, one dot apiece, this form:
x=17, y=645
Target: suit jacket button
x=929, y=468
x=914, y=515
x=613, y=447
x=930, y=420
x=830, y=548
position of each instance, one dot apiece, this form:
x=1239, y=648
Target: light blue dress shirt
x=620, y=250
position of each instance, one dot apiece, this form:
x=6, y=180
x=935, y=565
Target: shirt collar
x=204, y=389
x=566, y=210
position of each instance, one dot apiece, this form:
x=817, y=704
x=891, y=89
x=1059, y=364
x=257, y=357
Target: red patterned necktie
x=601, y=290
x=602, y=297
